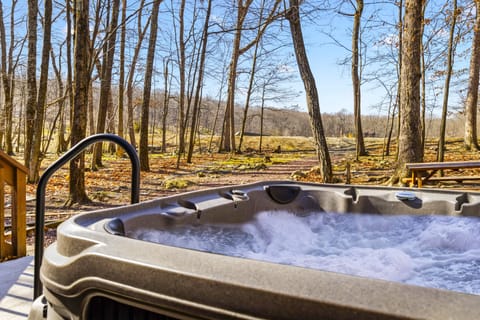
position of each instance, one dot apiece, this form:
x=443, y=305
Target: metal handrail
x=40, y=199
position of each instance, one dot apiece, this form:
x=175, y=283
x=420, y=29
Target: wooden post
x=14, y=174
x=3, y=252
x=348, y=174
x=19, y=219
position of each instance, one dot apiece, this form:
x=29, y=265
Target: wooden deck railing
x=12, y=187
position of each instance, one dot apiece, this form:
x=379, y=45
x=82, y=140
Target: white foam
x=434, y=251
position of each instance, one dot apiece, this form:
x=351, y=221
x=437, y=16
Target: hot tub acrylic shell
x=94, y=271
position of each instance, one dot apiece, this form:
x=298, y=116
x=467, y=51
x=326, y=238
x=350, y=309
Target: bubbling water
x=433, y=251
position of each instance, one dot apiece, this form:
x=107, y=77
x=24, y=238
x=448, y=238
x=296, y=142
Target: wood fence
x=13, y=179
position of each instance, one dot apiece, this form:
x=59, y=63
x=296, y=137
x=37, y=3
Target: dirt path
x=271, y=172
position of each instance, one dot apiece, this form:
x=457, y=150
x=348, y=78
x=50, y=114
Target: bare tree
x=355, y=71
x=395, y=108
x=144, y=164
x=181, y=71
x=8, y=74
x=31, y=77
x=409, y=143
x=470, y=138
x=446, y=88
x=197, y=99
x=311, y=92
x=255, y=69
x=237, y=51
x=360, y=145
x=77, y=193
x=167, y=82
x=106, y=79
x=62, y=144
x=223, y=82
x=36, y=157
x=423, y=68
x=248, y=95
x=141, y=31
x=229, y=123
x=121, y=77
x=60, y=117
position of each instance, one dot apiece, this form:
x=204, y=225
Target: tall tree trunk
x=250, y=84
x=131, y=74
x=2, y=124
x=313, y=104
x=20, y=125
x=219, y=105
x=470, y=140
x=262, y=110
x=144, y=165
x=191, y=79
x=390, y=115
x=110, y=121
x=229, y=128
x=31, y=77
x=11, y=73
x=248, y=96
x=121, y=77
x=360, y=145
x=166, y=102
x=400, y=62
x=106, y=81
x=130, y=126
x=91, y=118
x=68, y=14
x=409, y=144
x=181, y=71
x=36, y=156
x=61, y=104
x=196, y=102
x=423, y=87
x=228, y=136
x=77, y=192
x=446, y=88
x=390, y=129
x=7, y=79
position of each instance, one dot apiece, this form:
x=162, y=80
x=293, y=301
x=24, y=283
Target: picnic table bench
x=423, y=172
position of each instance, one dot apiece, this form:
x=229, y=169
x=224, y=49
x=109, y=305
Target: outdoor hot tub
x=212, y=254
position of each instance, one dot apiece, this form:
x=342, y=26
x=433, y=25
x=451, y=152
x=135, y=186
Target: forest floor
x=110, y=185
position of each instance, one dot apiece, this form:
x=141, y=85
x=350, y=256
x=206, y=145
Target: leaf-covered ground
x=110, y=186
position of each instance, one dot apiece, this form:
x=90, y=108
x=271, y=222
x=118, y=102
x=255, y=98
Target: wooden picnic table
x=424, y=171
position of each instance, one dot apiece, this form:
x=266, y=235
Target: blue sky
x=334, y=82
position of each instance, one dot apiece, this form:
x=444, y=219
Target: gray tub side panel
x=88, y=261
x=172, y=277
